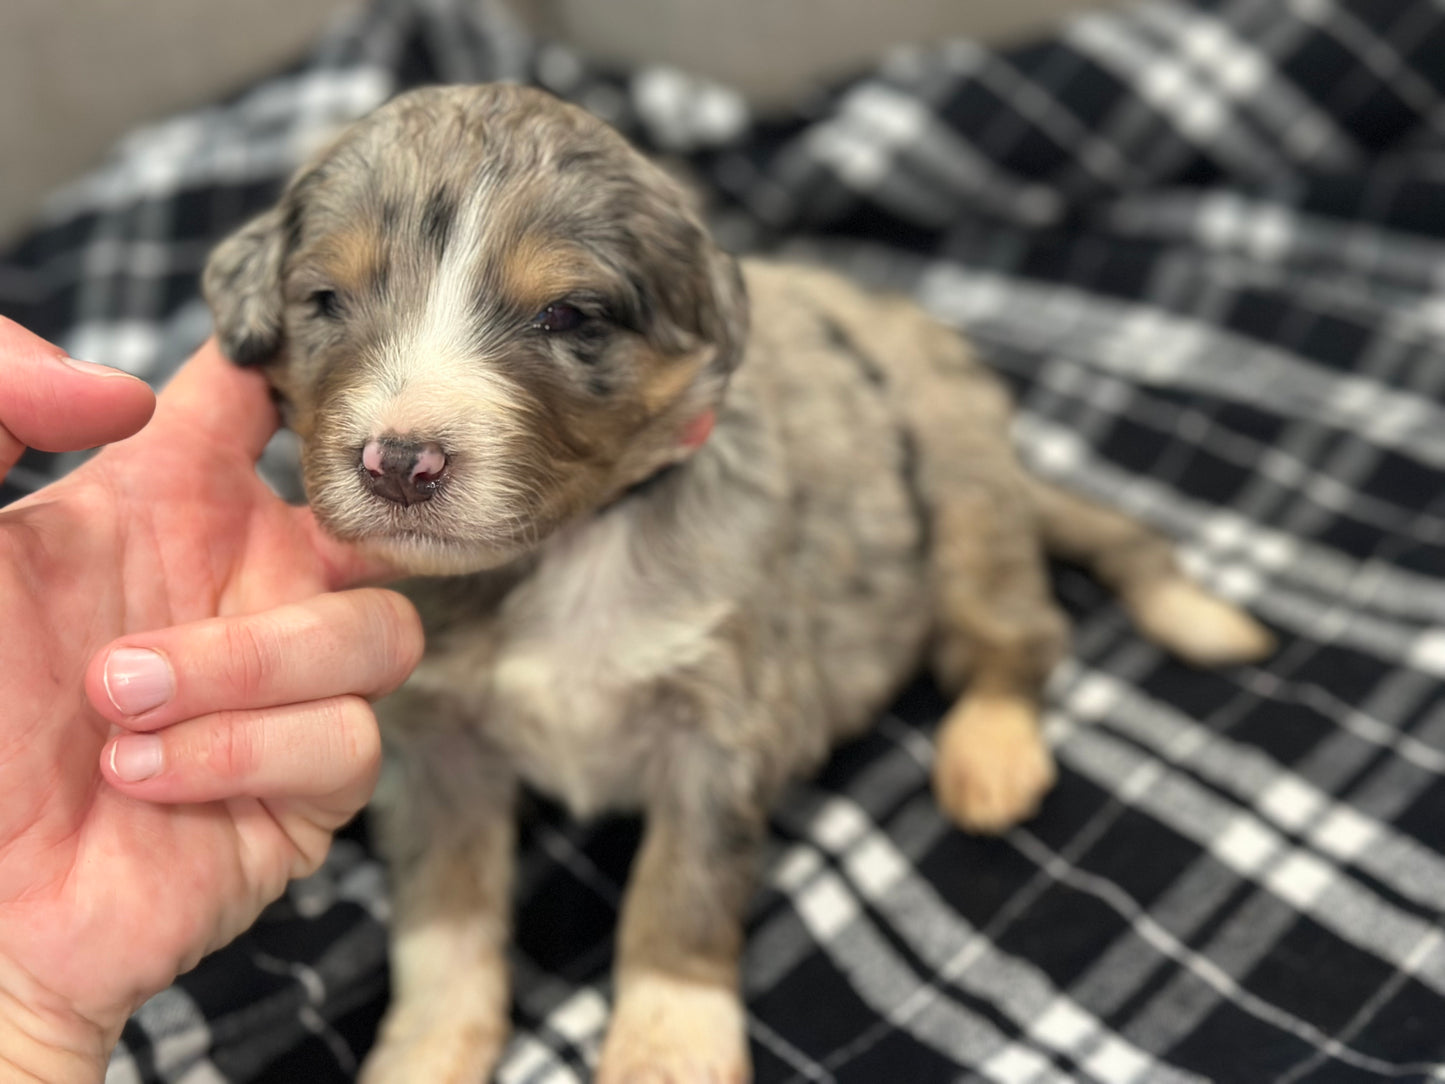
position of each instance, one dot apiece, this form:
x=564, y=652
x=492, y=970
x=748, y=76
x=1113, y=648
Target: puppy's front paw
x=448, y=1048
x=992, y=768
x=670, y=1031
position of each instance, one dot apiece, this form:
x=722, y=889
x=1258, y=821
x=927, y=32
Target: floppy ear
x=723, y=311
x=242, y=284
x=694, y=288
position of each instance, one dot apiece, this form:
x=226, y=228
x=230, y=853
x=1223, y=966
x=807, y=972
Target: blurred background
x=74, y=76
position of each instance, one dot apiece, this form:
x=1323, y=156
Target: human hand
x=183, y=693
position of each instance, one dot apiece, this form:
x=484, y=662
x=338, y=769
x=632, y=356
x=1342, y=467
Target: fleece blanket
x=1205, y=243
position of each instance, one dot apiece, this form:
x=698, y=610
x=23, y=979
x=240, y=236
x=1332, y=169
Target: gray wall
x=771, y=47
x=75, y=74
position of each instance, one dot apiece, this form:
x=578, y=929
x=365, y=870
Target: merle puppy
x=668, y=555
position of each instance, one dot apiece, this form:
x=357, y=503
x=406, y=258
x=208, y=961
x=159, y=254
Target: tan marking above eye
x=351, y=259
x=535, y=272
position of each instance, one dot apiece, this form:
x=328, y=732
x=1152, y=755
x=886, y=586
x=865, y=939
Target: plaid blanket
x=1205, y=242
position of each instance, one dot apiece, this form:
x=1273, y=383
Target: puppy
x=668, y=561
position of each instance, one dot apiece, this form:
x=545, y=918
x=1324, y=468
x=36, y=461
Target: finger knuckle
x=410, y=637
x=251, y=654
x=397, y=629
x=354, y=728
x=231, y=748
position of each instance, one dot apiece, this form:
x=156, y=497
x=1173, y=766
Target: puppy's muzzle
x=404, y=471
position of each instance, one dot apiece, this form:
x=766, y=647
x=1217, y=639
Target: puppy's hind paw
x=1203, y=630
x=670, y=1031
x=992, y=768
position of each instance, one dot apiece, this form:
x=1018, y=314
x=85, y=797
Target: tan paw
x=670, y=1031
x=1181, y=616
x=446, y=1049
x=992, y=768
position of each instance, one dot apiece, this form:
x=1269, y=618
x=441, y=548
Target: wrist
x=42, y=1041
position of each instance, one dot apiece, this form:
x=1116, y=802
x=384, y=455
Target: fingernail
x=136, y=757
x=137, y=680
x=91, y=368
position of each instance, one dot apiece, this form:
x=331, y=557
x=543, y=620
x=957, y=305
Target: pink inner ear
x=698, y=430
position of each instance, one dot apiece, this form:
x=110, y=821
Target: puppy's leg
x=1139, y=565
x=449, y=837
x=999, y=632
x=678, y=1017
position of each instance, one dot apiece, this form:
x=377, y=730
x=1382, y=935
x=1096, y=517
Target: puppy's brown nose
x=403, y=471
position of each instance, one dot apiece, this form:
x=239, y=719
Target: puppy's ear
x=723, y=308
x=242, y=284
x=693, y=289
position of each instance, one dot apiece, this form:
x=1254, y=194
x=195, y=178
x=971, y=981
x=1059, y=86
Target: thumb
x=57, y=404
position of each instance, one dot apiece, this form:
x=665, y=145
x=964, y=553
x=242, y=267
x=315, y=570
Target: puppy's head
x=485, y=314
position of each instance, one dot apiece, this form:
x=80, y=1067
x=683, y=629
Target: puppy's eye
x=559, y=316
x=325, y=304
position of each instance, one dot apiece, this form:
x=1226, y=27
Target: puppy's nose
x=404, y=471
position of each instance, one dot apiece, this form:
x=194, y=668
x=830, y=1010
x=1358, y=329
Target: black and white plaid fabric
x=1206, y=243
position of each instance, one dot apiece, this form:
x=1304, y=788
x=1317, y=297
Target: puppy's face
x=484, y=314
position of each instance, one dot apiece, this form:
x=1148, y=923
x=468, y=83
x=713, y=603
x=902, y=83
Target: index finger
x=219, y=400
x=212, y=397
